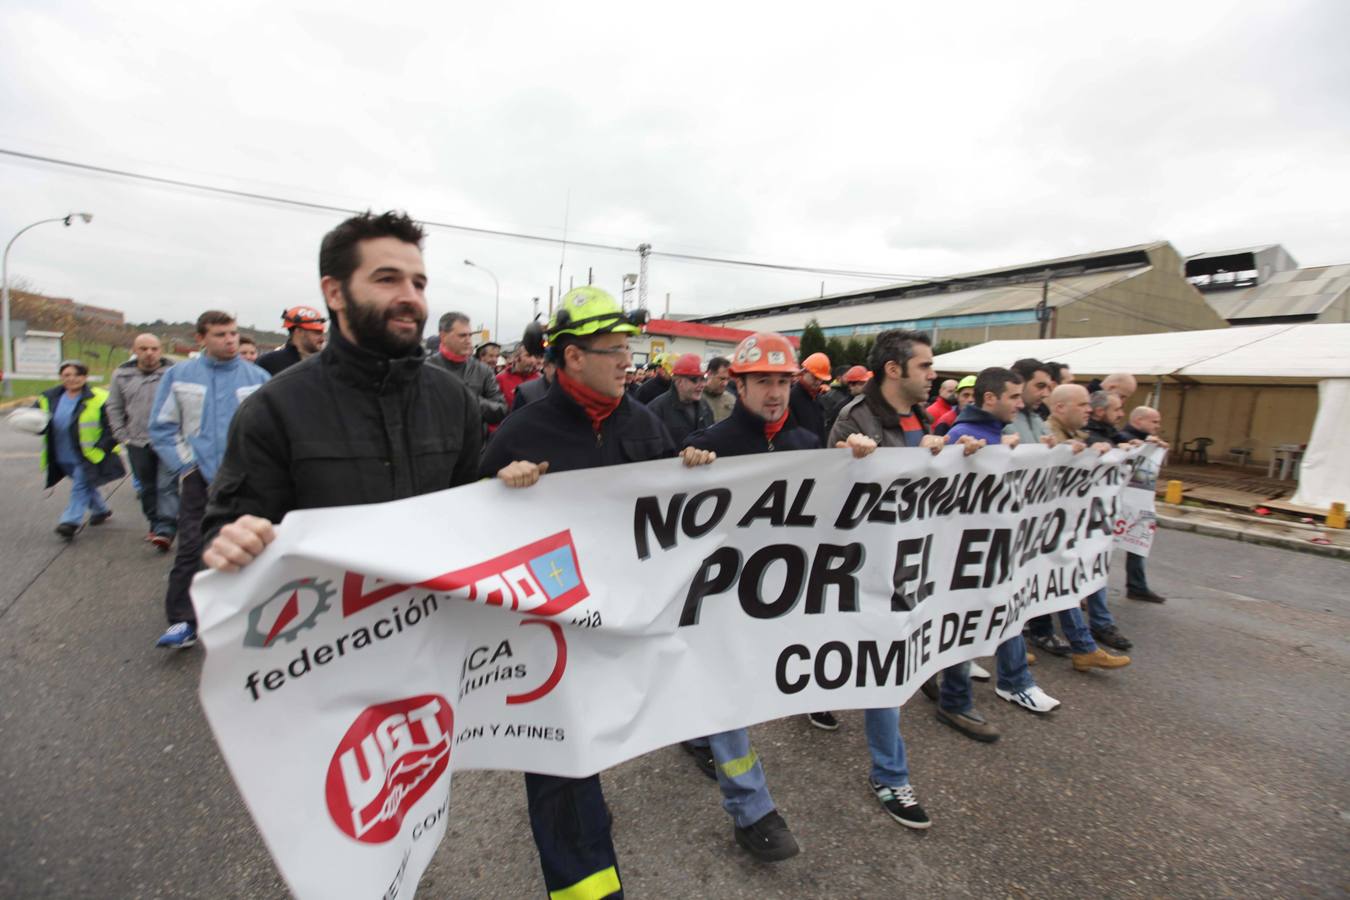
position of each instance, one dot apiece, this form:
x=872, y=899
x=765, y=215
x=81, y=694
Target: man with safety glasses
x=586, y=420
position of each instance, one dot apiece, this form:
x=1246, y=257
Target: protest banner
x=602, y=614
x=1138, y=518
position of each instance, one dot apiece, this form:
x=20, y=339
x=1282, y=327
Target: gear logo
x=282, y=616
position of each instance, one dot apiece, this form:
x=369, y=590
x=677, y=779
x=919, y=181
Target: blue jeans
x=83, y=496
x=1136, y=579
x=157, y=489
x=1098, y=615
x=1075, y=629
x=889, y=763
x=740, y=775
x=1013, y=676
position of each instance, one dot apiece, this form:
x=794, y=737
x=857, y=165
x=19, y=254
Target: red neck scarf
x=771, y=429
x=452, y=356
x=597, y=405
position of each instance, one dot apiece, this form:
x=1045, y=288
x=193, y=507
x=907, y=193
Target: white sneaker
x=1033, y=698
x=979, y=672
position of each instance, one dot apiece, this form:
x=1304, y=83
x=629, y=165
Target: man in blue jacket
x=189, y=423
x=998, y=400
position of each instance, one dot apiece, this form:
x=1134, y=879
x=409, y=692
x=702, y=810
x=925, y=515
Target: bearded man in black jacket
x=364, y=420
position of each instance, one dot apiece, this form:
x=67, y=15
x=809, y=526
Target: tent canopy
x=1307, y=352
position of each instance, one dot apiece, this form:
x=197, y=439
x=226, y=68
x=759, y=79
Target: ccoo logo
x=392, y=755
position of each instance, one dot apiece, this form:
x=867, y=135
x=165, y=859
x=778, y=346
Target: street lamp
x=4, y=292
x=497, y=310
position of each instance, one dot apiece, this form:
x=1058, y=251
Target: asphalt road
x=1216, y=765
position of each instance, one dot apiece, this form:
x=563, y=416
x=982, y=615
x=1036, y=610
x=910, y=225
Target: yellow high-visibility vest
x=88, y=421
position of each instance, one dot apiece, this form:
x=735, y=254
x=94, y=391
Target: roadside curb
x=1247, y=537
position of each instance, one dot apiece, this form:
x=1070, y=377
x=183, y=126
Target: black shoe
x=100, y=518
x=67, y=530
x=930, y=689
x=1147, y=597
x=901, y=805
x=1050, y=643
x=769, y=839
x=703, y=758
x=1111, y=637
x=825, y=721
x=971, y=724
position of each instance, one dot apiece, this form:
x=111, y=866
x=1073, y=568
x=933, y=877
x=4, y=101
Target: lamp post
x=4, y=291
x=497, y=309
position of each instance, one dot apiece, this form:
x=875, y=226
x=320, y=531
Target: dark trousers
x=158, y=492
x=191, y=509
x=1136, y=578
x=571, y=829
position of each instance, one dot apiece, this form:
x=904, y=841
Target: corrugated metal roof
x=1297, y=292
x=972, y=301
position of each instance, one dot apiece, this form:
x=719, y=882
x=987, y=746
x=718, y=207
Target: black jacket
x=557, y=430
x=345, y=427
x=742, y=433
x=1130, y=433
x=530, y=391
x=681, y=419
x=481, y=382
x=805, y=411
x=652, y=388
x=832, y=401
x=277, y=361
x=1101, y=430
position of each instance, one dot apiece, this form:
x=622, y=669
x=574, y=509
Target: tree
x=836, y=350
x=948, y=347
x=813, y=339
x=855, y=354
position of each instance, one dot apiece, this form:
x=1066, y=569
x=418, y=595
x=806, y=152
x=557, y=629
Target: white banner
x=602, y=614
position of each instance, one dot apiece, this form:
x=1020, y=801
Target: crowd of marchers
x=356, y=408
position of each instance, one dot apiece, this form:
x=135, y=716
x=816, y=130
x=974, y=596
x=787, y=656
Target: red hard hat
x=306, y=317
x=764, y=352
x=688, y=364
x=857, y=374
x=818, y=364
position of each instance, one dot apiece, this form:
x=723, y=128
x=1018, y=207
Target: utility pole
x=666, y=314
x=1043, y=308
x=590, y=274
x=550, y=301
x=535, y=313
x=643, y=251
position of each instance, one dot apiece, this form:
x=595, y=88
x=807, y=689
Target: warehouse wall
x=1159, y=299
x=1234, y=413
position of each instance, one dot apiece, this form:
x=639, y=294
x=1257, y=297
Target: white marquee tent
x=1262, y=354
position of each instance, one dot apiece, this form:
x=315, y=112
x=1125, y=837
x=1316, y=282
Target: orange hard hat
x=857, y=374
x=688, y=364
x=764, y=351
x=818, y=364
x=306, y=317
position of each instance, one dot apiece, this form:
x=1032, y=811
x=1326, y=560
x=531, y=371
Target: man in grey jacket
x=455, y=355
x=130, y=398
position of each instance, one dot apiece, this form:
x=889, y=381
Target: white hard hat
x=29, y=419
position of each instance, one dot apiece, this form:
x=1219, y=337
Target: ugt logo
x=290, y=610
x=392, y=754
x=542, y=579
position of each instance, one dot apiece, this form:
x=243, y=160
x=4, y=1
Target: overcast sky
x=905, y=138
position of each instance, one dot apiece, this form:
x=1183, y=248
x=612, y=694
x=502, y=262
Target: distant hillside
x=93, y=325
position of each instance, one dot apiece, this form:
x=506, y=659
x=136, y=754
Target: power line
x=451, y=226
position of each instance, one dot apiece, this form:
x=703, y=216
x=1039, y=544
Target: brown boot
x=1098, y=659
x=1031, y=658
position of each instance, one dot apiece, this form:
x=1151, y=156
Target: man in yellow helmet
x=586, y=420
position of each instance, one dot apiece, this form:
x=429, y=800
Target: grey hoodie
x=130, y=397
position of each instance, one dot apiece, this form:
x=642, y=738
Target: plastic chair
x=1197, y=450
x=1242, y=453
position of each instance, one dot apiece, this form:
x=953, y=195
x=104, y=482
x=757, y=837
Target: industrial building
x=1131, y=290
x=1265, y=286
